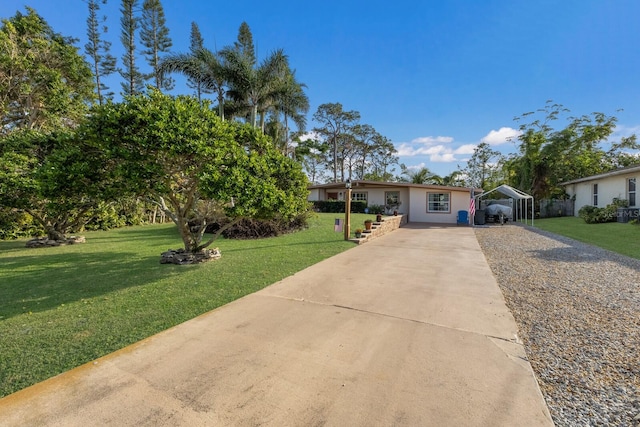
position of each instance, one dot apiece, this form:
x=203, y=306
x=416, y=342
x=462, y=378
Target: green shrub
x=15, y=224
x=596, y=215
x=337, y=206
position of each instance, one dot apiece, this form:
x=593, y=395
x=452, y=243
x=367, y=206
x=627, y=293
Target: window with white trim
x=631, y=191
x=359, y=196
x=595, y=194
x=439, y=202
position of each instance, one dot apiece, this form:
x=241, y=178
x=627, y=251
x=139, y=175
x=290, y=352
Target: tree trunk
x=53, y=234
x=254, y=115
x=221, y=104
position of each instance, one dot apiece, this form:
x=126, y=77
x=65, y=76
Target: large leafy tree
x=54, y=177
x=44, y=83
x=129, y=24
x=154, y=36
x=548, y=156
x=195, y=166
x=98, y=50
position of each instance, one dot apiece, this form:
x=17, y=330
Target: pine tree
x=134, y=79
x=244, y=44
x=196, y=44
x=98, y=50
x=155, y=38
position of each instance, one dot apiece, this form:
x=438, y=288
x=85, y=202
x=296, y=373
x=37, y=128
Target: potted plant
x=367, y=224
x=358, y=233
x=378, y=217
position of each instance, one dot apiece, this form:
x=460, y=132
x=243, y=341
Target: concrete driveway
x=409, y=329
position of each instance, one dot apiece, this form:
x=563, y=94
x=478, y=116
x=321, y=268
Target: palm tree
x=454, y=179
x=421, y=176
x=254, y=88
x=202, y=66
x=292, y=103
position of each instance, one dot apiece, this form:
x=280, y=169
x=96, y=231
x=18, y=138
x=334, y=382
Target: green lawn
x=617, y=237
x=62, y=307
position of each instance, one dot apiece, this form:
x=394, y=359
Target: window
x=358, y=196
x=392, y=198
x=438, y=202
x=595, y=194
x=631, y=191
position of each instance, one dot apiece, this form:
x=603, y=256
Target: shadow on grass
x=44, y=281
x=577, y=251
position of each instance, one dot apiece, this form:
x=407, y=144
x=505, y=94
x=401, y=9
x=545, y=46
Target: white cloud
x=436, y=153
x=465, y=149
x=417, y=167
x=309, y=136
x=504, y=134
x=625, y=131
x=443, y=158
x=406, y=150
x=428, y=140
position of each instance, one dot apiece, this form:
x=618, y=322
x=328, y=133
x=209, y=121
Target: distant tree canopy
x=44, y=83
x=349, y=150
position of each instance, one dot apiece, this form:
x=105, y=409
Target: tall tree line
x=346, y=148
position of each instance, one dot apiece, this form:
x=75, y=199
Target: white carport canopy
x=513, y=193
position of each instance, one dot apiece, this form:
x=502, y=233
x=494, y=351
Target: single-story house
x=419, y=202
x=600, y=190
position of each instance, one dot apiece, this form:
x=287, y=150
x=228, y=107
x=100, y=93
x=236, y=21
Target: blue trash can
x=463, y=218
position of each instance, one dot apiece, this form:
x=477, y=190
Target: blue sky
x=435, y=77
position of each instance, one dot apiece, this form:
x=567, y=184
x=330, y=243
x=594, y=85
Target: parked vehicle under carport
x=498, y=213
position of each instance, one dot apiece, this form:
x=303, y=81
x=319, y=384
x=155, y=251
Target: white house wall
x=413, y=201
x=608, y=189
x=418, y=210
x=314, y=195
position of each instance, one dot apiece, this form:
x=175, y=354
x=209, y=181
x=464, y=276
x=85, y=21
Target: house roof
x=386, y=184
x=622, y=171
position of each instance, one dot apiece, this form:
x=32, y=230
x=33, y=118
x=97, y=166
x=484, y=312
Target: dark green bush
x=337, y=206
x=596, y=215
x=257, y=229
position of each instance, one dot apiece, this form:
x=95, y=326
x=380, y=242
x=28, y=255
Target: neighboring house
x=420, y=202
x=600, y=190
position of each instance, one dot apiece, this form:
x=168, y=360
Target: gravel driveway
x=578, y=313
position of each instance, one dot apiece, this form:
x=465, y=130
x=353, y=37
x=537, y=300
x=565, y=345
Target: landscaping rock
x=42, y=242
x=182, y=257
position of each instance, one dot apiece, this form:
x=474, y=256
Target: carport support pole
x=347, y=213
